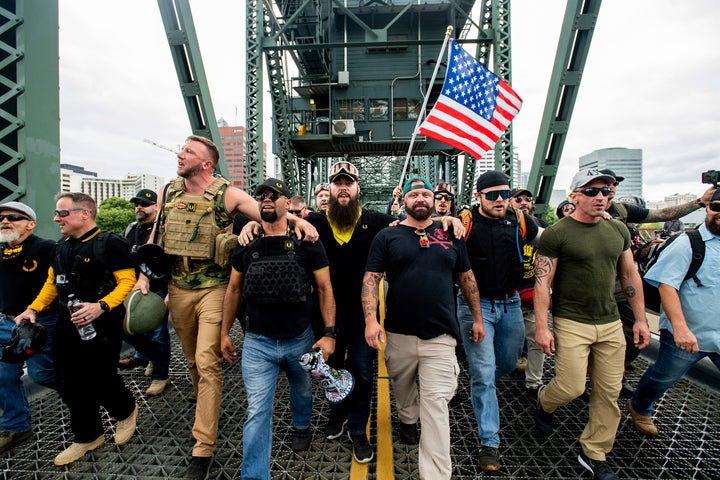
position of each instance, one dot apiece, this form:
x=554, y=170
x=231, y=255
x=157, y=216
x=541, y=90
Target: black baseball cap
x=145, y=196
x=275, y=185
x=607, y=171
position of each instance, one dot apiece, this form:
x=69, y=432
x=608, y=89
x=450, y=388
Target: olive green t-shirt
x=587, y=256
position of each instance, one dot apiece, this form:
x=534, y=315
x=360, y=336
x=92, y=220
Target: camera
x=711, y=176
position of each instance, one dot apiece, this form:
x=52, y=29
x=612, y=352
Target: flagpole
x=424, y=105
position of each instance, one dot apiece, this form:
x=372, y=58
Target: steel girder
x=572, y=52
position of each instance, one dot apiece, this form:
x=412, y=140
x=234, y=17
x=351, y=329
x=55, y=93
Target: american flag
x=473, y=109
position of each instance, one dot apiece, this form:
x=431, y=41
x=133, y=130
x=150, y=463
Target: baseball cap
x=444, y=187
x=343, y=169
x=519, y=190
x=145, y=196
x=275, y=185
x=20, y=207
x=607, y=171
x=491, y=178
x=587, y=175
x=409, y=184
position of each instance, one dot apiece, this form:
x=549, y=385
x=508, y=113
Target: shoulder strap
x=128, y=228
x=100, y=246
x=465, y=216
x=698, y=255
x=621, y=211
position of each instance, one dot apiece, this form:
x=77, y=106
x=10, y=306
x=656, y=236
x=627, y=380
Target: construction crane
x=164, y=147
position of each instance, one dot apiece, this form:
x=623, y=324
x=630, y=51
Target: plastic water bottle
x=87, y=331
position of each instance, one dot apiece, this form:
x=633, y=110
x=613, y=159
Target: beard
x=419, y=211
x=9, y=236
x=491, y=212
x=269, y=216
x=344, y=216
x=191, y=172
x=710, y=222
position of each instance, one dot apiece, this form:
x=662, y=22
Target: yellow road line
x=383, y=458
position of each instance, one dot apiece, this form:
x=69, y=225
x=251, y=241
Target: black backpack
x=651, y=293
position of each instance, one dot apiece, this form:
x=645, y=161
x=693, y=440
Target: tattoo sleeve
x=671, y=213
x=544, y=269
x=370, y=294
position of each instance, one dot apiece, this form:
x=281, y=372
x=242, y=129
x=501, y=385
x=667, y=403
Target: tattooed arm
x=677, y=211
x=370, y=297
x=632, y=288
x=471, y=294
x=544, y=273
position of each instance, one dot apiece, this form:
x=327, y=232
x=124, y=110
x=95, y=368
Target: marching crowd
x=489, y=285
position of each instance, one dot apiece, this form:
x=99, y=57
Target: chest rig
x=190, y=228
x=277, y=278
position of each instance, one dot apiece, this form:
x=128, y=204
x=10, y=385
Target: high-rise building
x=625, y=162
x=487, y=162
x=103, y=188
x=232, y=140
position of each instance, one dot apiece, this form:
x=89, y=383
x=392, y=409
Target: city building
x=74, y=178
x=71, y=177
x=232, y=139
x=487, y=162
x=625, y=162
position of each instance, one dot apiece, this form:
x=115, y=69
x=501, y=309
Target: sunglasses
x=343, y=167
x=65, y=213
x=143, y=205
x=593, y=191
x=424, y=240
x=494, y=195
x=13, y=217
x=523, y=198
x=440, y=196
x=295, y=212
x=267, y=194
x=715, y=207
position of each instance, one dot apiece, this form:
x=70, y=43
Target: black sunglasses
x=13, y=217
x=593, y=191
x=715, y=207
x=295, y=212
x=441, y=196
x=494, y=195
x=523, y=198
x=65, y=213
x=267, y=194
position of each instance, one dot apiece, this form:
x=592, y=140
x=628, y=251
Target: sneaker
x=643, y=423
x=192, y=397
x=198, y=468
x=522, y=364
x=149, y=368
x=532, y=394
x=543, y=419
x=335, y=430
x=77, y=450
x=600, y=469
x=627, y=389
x=408, y=433
x=10, y=439
x=125, y=428
x=157, y=387
x=130, y=363
x=488, y=459
x=301, y=440
x=362, y=451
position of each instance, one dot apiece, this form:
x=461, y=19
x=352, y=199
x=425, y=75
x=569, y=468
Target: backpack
x=651, y=293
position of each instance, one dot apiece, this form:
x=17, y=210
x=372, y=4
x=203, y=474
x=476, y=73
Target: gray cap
x=583, y=177
x=19, y=207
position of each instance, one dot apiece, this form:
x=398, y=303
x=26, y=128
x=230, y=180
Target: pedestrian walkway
x=688, y=446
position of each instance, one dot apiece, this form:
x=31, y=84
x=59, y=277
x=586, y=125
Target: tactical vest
x=276, y=278
x=190, y=228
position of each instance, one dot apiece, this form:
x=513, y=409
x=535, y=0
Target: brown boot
x=643, y=423
x=77, y=450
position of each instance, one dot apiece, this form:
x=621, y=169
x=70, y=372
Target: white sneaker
x=77, y=450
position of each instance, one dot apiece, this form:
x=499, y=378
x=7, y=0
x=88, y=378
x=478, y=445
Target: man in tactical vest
x=152, y=348
x=96, y=268
x=197, y=211
x=25, y=262
x=273, y=276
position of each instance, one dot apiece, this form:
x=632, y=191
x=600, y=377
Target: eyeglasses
x=424, y=240
x=593, y=191
x=320, y=188
x=343, y=167
x=267, y=194
x=143, y=205
x=523, y=198
x=440, y=196
x=295, y=212
x=13, y=217
x=715, y=207
x=494, y=195
x=65, y=213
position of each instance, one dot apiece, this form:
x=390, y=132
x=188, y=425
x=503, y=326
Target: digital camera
x=711, y=176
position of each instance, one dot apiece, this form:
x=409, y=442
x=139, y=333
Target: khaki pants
x=599, y=350
x=197, y=316
x=433, y=362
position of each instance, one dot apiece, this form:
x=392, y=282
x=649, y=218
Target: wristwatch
x=330, y=332
x=105, y=307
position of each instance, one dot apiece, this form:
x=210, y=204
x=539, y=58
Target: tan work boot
x=77, y=450
x=125, y=428
x=157, y=387
x=149, y=369
x=643, y=423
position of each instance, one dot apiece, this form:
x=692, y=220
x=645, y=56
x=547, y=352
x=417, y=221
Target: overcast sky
x=650, y=82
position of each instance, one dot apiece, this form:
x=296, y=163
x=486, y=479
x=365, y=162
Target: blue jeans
x=493, y=358
x=13, y=399
x=262, y=359
x=154, y=346
x=671, y=364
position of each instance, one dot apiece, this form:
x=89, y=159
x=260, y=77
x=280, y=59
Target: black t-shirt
x=421, y=297
x=347, y=261
x=280, y=319
x=23, y=272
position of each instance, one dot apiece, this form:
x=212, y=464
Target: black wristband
x=330, y=332
x=104, y=306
